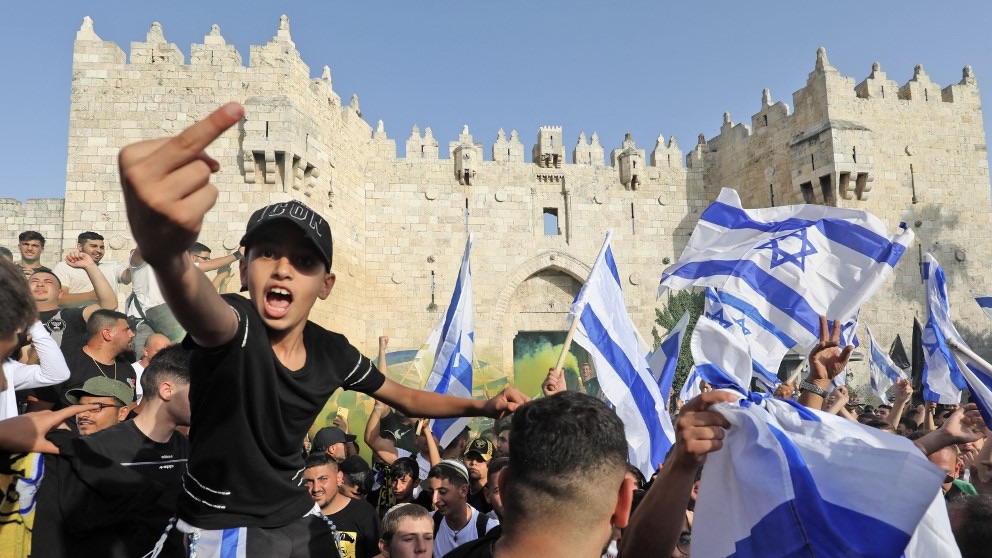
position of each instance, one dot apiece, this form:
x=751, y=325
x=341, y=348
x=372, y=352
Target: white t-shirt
x=444, y=540
x=51, y=370
x=146, y=289
x=138, y=369
x=77, y=281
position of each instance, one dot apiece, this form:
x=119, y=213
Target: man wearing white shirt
x=79, y=288
x=153, y=344
x=50, y=370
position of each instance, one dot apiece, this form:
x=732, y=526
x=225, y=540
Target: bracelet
x=813, y=388
x=237, y=256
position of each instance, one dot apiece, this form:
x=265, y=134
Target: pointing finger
x=189, y=144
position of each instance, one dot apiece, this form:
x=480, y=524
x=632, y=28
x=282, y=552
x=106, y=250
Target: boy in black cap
x=261, y=371
x=477, y=457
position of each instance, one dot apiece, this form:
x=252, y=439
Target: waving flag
x=452, y=370
x=884, y=373
x=985, y=301
x=792, y=264
x=606, y=331
x=721, y=355
x=766, y=343
x=978, y=373
x=690, y=388
x=817, y=493
x=942, y=379
x=664, y=360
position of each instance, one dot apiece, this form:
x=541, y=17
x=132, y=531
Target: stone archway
x=537, y=297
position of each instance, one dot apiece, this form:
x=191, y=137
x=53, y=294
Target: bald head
x=155, y=343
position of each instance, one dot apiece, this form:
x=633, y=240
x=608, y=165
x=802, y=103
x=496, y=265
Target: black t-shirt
x=66, y=325
x=478, y=500
x=358, y=527
x=479, y=548
x=82, y=367
x=109, y=494
x=249, y=416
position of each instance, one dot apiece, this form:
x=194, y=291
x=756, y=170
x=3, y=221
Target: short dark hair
x=405, y=466
x=319, y=459
x=170, y=364
x=446, y=472
x=44, y=269
x=561, y=445
x=357, y=473
x=198, y=247
x=17, y=307
x=503, y=426
x=31, y=235
x=88, y=235
x=4, y=252
x=399, y=512
x=497, y=465
x=973, y=529
x=909, y=423
x=885, y=406
x=101, y=319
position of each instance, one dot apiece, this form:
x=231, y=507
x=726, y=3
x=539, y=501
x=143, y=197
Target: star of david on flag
x=767, y=344
x=792, y=264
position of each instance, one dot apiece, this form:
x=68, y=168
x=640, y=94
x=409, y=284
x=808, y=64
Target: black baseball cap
x=328, y=436
x=314, y=227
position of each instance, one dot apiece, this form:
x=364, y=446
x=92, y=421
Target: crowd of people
x=180, y=427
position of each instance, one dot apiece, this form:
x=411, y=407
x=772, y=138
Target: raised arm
x=655, y=527
x=167, y=192
x=964, y=425
x=51, y=368
x=903, y=393
x=416, y=403
x=106, y=298
x=826, y=360
x=27, y=432
x=433, y=450
x=385, y=449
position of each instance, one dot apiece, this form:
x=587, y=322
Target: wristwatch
x=812, y=388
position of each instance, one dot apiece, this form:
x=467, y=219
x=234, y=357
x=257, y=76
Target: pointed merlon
x=876, y=68
x=326, y=74
x=766, y=97
x=821, y=60
x=918, y=72
x=500, y=135
x=354, y=104
x=86, y=32
x=155, y=35
x=283, y=32
x=214, y=38
x=380, y=128
x=967, y=76
x=726, y=118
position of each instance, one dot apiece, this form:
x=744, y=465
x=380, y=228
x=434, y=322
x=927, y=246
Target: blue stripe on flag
x=670, y=348
x=845, y=233
x=780, y=295
x=718, y=378
x=752, y=313
x=612, y=266
x=600, y=337
x=229, y=543
x=984, y=301
x=808, y=525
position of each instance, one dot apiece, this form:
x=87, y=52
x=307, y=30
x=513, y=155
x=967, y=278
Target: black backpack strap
x=438, y=518
x=480, y=524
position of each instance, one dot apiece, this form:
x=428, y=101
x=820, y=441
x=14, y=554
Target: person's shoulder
x=478, y=548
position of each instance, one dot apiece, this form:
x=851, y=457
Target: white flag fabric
x=793, y=264
x=882, y=371
x=452, y=370
x=985, y=301
x=790, y=481
x=978, y=374
x=767, y=343
x=690, y=388
x=942, y=379
x=721, y=355
x=607, y=332
x=664, y=360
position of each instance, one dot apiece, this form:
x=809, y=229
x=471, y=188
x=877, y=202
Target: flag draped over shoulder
x=790, y=481
x=792, y=264
x=666, y=358
x=942, y=379
x=452, y=370
x=605, y=330
x=883, y=372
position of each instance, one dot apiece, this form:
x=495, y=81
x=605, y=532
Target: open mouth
x=277, y=302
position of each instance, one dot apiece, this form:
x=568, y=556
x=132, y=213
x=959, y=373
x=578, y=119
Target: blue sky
x=644, y=67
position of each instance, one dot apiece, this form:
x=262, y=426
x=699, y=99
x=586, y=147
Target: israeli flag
x=978, y=373
x=818, y=493
x=605, y=330
x=665, y=359
x=792, y=264
x=452, y=370
x=690, y=388
x=721, y=355
x=767, y=343
x=883, y=372
x=942, y=378
x=985, y=301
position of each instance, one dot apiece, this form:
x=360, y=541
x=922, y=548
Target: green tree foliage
x=678, y=304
